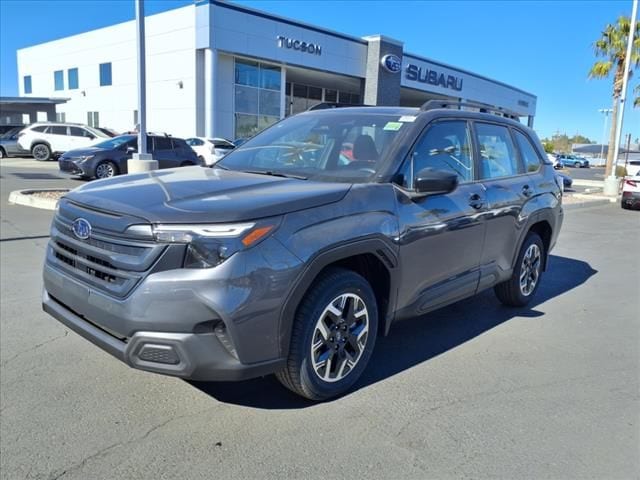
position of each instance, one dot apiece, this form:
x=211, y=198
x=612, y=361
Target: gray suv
x=304, y=244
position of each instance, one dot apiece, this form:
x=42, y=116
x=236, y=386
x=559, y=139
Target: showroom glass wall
x=257, y=96
x=300, y=97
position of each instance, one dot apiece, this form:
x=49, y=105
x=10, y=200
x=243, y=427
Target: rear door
x=59, y=138
x=163, y=152
x=507, y=190
x=441, y=236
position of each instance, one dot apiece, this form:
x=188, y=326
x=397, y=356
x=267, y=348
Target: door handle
x=527, y=191
x=475, y=201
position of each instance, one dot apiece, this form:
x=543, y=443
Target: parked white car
x=210, y=150
x=633, y=167
x=45, y=140
x=631, y=192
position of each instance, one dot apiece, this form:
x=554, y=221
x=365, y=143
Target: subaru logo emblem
x=81, y=228
x=391, y=63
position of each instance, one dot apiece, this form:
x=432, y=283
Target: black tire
x=511, y=292
x=577, y=165
x=2, y=154
x=300, y=374
x=41, y=152
x=106, y=169
x=624, y=205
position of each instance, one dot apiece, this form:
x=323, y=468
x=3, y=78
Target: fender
x=376, y=245
x=544, y=213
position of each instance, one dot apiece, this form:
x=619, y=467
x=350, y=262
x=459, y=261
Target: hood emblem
x=81, y=228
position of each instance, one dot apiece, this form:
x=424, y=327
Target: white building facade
x=219, y=69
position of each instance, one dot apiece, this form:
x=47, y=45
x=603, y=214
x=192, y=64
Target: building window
x=257, y=97
x=27, y=84
x=72, y=78
x=58, y=80
x=105, y=74
x=93, y=119
x=61, y=117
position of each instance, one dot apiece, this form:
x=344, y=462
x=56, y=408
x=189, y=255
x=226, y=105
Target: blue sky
x=544, y=47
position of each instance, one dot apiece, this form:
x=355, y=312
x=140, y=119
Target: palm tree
x=612, y=46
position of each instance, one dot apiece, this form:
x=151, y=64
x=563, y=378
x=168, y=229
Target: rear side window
x=162, y=143
x=194, y=142
x=58, y=130
x=444, y=146
x=41, y=128
x=497, y=153
x=528, y=153
x=179, y=143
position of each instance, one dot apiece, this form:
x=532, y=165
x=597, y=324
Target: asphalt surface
x=474, y=390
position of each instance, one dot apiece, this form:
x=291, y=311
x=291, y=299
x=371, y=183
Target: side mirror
x=433, y=182
x=131, y=149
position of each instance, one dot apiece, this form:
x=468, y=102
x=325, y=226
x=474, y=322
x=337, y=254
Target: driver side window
x=444, y=146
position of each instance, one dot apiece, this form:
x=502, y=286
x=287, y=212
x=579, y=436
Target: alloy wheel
x=530, y=270
x=40, y=152
x=339, y=337
x=105, y=170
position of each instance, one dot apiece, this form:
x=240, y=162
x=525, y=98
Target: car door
x=441, y=236
x=507, y=190
x=163, y=152
x=59, y=138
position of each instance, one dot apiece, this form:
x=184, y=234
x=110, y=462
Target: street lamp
x=611, y=183
x=141, y=161
x=606, y=112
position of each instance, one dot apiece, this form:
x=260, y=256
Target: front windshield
x=115, y=142
x=336, y=146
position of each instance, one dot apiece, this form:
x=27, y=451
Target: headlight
x=210, y=245
x=86, y=157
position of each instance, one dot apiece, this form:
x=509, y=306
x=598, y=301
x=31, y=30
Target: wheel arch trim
x=375, y=245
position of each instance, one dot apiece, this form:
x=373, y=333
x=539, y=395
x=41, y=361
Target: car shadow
x=415, y=341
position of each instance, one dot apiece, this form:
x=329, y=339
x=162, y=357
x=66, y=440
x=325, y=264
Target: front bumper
x=70, y=167
x=195, y=356
x=220, y=323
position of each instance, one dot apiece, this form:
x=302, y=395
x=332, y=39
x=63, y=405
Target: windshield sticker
x=407, y=118
x=393, y=126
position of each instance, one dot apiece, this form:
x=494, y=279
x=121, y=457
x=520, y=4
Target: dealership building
x=220, y=69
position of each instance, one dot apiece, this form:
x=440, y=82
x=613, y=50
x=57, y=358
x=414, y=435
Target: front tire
x=41, y=152
x=525, y=280
x=333, y=336
x=577, y=165
x=106, y=169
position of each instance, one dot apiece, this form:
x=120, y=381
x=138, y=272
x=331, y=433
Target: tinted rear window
x=162, y=143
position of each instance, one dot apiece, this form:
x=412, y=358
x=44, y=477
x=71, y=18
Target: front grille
x=107, y=261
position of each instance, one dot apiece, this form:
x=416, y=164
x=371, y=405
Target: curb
x=25, y=198
x=589, y=203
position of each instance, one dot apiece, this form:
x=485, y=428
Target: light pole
x=611, y=184
x=141, y=161
x=606, y=112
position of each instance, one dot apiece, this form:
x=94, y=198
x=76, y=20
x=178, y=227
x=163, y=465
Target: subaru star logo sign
x=391, y=63
x=81, y=228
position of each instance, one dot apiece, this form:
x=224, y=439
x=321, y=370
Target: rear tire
x=525, y=280
x=41, y=152
x=334, y=332
x=577, y=165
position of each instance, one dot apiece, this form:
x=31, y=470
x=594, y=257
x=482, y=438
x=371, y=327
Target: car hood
x=82, y=152
x=196, y=194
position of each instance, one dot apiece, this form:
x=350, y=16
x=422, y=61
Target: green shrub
x=621, y=171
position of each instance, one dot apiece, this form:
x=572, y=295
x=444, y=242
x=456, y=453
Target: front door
x=441, y=236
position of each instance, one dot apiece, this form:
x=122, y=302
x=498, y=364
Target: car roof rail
x=434, y=104
x=327, y=105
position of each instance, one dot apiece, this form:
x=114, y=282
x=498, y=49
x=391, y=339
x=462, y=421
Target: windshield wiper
x=275, y=174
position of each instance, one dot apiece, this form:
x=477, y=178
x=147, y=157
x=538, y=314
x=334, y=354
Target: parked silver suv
x=304, y=244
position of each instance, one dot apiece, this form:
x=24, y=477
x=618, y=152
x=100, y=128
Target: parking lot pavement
x=29, y=163
x=474, y=390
